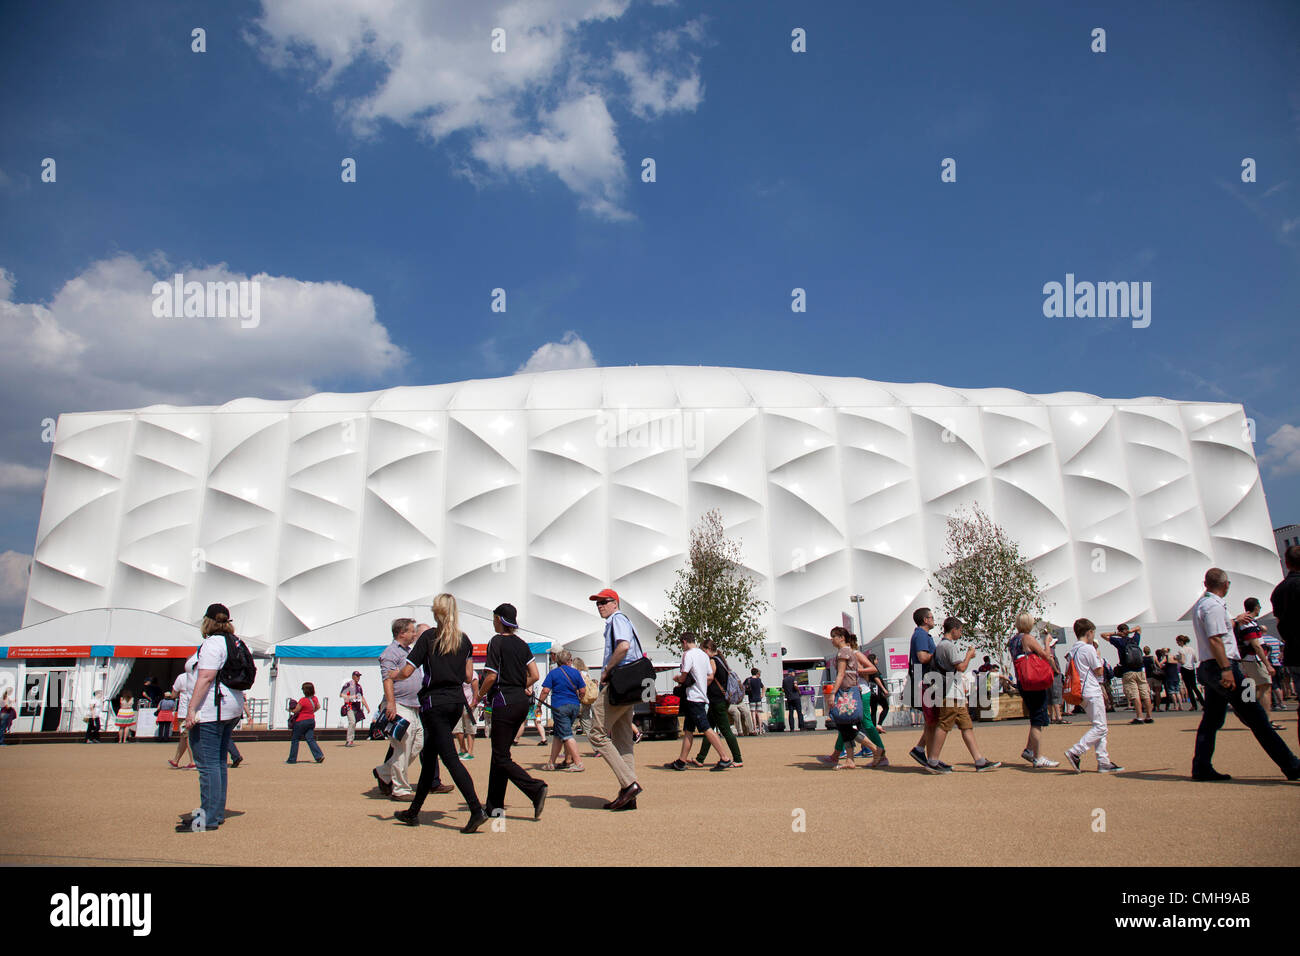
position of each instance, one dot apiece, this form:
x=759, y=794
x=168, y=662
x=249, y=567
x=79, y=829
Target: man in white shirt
x=696, y=670
x=1088, y=663
x=1220, y=674
x=1187, y=664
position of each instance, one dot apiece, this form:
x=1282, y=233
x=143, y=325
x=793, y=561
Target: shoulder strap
x=572, y=686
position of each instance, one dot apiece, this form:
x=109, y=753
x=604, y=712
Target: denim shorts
x=1035, y=702
x=697, y=716
x=563, y=717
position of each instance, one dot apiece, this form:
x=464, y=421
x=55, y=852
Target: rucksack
x=1132, y=655
x=237, y=673
x=1072, y=683
x=734, y=690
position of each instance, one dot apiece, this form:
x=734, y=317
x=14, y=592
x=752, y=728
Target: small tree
x=714, y=597
x=986, y=582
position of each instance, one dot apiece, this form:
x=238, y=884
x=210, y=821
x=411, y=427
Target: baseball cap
x=215, y=609
x=356, y=673
x=607, y=593
x=507, y=613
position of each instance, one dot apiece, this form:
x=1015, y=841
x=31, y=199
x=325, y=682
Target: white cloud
x=570, y=352
x=656, y=91
x=1283, y=455
x=20, y=477
x=543, y=104
x=97, y=343
x=14, y=569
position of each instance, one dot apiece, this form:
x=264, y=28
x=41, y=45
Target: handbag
x=626, y=682
x=1032, y=672
x=846, y=708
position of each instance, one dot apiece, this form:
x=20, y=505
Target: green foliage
x=985, y=582
x=714, y=597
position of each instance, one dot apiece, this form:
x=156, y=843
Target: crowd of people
x=431, y=687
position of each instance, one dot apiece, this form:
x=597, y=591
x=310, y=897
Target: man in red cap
x=611, y=730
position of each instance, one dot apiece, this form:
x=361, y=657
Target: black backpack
x=239, y=671
x=1133, y=655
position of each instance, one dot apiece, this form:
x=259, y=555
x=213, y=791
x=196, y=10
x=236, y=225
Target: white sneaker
x=1043, y=763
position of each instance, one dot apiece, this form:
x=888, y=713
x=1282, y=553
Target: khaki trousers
x=611, y=737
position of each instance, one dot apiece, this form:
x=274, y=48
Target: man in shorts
x=1132, y=672
x=694, y=676
x=951, y=663
x=1255, y=665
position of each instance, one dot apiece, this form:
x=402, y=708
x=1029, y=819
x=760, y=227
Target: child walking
x=1088, y=664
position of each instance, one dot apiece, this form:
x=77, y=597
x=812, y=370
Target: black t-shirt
x=1286, y=606
x=445, y=672
x=509, y=656
x=791, y=689
x=754, y=689
x=1149, y=665
x=718, y=686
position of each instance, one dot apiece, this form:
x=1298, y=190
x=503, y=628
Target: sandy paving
x=76, y=804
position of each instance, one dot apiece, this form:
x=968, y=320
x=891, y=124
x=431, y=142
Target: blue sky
x=521, y=170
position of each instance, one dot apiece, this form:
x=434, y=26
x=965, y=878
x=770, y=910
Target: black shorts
x=1035, y=702
x=697, y=716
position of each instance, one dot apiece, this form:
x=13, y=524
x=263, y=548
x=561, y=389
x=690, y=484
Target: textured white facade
x=540, y=489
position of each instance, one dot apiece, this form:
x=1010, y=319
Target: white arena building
x=325, y=514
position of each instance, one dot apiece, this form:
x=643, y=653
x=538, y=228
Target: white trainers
x=1042, y=763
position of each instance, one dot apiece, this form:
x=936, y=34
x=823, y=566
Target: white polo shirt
x=1210, y=619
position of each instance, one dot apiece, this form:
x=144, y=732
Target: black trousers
x=507, y=718
x=793, y=712
x=1193, y=688
x=881, y=701
x=437, y=723
x=92, y=729
x=1250, y=712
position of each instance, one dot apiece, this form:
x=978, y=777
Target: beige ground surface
x=72, y=804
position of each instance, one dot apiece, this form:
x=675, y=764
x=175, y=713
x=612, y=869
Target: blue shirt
x=564, y=683
x=619, y=628
x=921, y=641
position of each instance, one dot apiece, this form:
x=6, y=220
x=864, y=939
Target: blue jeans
x=564, y=715
x=209, y=741
x=304, y=730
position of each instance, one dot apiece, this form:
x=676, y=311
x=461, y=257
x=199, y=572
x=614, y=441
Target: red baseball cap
x=607, y=593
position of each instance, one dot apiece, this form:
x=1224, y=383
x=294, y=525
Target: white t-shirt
x=183, y=686
x=1190, y=660
x=696, y=663
x=212, y=655
x=1210, y=619
x=1085, y=661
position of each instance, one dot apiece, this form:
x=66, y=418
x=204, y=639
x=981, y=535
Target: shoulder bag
x=628, y=681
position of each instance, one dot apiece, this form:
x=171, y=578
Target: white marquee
x=540, y=489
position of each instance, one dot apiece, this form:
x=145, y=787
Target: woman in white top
x=182, y=688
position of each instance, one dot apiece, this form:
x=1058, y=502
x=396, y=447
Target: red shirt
x=307, y=709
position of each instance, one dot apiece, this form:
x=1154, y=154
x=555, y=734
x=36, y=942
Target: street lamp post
x=858, y=599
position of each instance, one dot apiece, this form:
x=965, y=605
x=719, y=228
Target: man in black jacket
x=1286, y=608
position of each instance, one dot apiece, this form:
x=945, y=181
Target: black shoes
x=1210, y=776
x=385, y=788
x=476, y=821
x=539, y=802
x=626, y=799
x=236, y=763
x=410, y=816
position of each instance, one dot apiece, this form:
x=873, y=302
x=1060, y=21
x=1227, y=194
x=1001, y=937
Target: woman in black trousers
x=509, y=674
x=447, y=657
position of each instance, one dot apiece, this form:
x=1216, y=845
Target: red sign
x=148, y=650
x=81, y=650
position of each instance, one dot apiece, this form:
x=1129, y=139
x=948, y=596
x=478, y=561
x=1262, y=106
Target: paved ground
x=112, y=805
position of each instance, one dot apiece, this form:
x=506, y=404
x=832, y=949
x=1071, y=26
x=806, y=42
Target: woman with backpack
x=303, y=722
x=718, y=707
x=564, y=685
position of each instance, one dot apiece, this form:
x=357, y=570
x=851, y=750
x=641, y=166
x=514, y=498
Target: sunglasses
x=604, y=601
